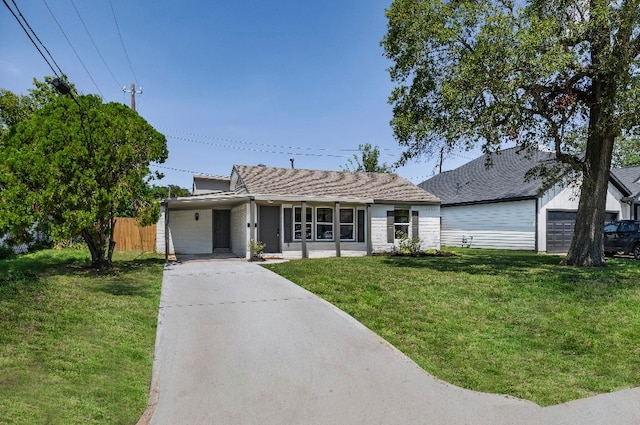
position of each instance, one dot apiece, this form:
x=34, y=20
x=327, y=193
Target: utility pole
x=133, y=92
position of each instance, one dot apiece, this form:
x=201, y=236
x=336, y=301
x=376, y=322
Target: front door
x=221, y=229
x=269, y=228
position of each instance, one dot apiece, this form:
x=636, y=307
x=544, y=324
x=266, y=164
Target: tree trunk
x=587, y=247
x=112, y=243
x=95, y=248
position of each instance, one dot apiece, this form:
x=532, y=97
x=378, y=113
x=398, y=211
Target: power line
x=72, y=48
x=94, y=44
x=255, y=143
x=177, y=169
x=219, y=145
x=115, y=19
x=289, y=149
x=31, y=38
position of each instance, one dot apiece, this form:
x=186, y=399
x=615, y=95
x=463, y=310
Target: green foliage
x=257, y=248
x=6, y=252
x=410, y=246
x=538, y=72
x=71, y=166
x=172, y=190
x=368, y=160
x=627, y=152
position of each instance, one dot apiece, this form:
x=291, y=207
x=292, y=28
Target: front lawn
x=495, y=321
x=76, y=346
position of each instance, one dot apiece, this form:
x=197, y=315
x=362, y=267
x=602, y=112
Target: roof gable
x=475, y=182
x=260, y=180
x=630, y=177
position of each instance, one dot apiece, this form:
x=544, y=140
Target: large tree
x=70, y=163
x=560, y=73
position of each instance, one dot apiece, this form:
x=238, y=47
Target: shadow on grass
x=523, y=267
x=123, y=287
x=24, y=277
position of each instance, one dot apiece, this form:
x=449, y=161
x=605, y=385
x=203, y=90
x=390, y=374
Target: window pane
x=611, y=227
x=324, y=215
x=325, y=231
x=298, y=215
x=346, y=215
x=402, y=231
x=346, y=231
x=298, y=233
x=402, y=216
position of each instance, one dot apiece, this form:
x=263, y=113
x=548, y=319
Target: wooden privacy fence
x=131, y=237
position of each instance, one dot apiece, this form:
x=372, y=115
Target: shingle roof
x=474, y=182
x=337, y=184
x=630, y=177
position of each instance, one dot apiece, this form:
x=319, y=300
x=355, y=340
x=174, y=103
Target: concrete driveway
x=238, y=344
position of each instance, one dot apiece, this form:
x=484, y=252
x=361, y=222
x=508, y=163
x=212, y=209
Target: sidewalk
x=238, y=344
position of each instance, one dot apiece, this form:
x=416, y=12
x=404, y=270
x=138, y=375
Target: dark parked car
x=622, y=236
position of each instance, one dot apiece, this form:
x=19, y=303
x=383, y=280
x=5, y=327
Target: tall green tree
x=157, y=193
x=627, y=152
x=71, y=164
x=367, y=160
x=560, y=73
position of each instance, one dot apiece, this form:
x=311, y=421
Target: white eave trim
x=317, y=199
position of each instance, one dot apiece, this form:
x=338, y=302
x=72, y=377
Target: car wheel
x=636, y=252
x=608, y=254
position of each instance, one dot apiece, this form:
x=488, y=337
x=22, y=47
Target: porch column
x=336, y=227
x=303, y=213
x=369, y=242
x=252, y=224
x=166, y=232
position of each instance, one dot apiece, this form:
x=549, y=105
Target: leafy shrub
x=6, y=252
x=257, y=248
x=407, y=246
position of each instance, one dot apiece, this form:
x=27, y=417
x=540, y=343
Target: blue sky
x=228, y=82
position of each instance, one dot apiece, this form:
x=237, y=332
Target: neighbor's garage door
x=560, y=226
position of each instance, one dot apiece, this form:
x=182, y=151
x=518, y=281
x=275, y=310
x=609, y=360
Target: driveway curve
x=238, y=344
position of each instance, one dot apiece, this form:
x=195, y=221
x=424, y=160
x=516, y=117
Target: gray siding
x=503, y=225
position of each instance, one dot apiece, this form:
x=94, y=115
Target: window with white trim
x=297, y=223
x=347, y=224
x=324, y=223
x=401, y=220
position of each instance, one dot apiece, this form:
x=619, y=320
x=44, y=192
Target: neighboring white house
x=345, y=213
x=494, y=207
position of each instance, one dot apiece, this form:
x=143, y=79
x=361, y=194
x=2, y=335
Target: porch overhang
x=204, y=202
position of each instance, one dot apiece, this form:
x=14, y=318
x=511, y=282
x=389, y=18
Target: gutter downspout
x=303, y=213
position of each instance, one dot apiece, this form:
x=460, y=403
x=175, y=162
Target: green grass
x=76, y=345
x=495, y=321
